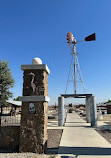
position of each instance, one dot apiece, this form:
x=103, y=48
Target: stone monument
x=33, y=130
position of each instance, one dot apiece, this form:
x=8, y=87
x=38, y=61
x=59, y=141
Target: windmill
x=75, y=71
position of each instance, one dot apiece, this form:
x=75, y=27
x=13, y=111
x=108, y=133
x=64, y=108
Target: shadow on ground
x=84, y=150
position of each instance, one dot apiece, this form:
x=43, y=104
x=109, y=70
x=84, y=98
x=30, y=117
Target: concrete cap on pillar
x=36, y=61
x=36, y=64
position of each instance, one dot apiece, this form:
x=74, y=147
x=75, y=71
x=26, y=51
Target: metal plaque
x=32, y=108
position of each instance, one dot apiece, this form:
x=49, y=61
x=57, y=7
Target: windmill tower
x=75, y=75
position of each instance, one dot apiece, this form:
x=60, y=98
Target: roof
x=108, y=103
x=17, y=103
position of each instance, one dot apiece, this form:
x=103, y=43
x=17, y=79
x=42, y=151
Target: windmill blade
x=69, y=37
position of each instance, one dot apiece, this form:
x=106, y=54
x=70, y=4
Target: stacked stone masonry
x=35, y=83
x=33, y=132
x=33, y=128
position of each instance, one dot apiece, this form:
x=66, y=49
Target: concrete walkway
x=81, y=141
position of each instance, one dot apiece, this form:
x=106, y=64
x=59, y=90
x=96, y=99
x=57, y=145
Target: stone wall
x=9, y=137
x=36, y=131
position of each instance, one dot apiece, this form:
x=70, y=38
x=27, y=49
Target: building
x=14, y=107
x=108, y=105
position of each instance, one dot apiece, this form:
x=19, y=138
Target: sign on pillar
x=33, y=130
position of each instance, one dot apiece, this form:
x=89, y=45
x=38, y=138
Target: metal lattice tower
x=74, y=75
x=75, y=71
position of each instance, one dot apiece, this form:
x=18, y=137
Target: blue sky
x=34, y=28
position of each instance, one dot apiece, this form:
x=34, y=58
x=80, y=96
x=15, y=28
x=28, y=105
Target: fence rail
x=10, y=116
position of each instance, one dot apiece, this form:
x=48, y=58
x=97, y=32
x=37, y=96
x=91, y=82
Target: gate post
x=33, y=130
x=61, y=113
x=93, y=111
x=64, y=114
x=88, y=115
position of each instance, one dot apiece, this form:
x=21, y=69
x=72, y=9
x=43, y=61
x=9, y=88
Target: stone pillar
x=61, y=111
x=88, y=115
x=93, y=111
x=33, y=130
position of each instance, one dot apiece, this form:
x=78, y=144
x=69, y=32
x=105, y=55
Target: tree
x=17, y=99
x=108, y=101
x=6, y=82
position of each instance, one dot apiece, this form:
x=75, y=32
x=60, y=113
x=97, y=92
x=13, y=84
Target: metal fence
x=10, y=116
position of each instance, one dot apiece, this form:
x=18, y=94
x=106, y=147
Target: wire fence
x=10, y=116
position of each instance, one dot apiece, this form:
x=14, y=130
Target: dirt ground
x=105, y=134
x=54, y=137
x=25, y=155
x=109, y=123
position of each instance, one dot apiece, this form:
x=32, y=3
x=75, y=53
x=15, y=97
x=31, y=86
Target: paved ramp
x=81, y=141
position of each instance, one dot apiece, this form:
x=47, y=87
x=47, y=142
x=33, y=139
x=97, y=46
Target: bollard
x=88, y=115
x=61, y=113
x=64, y=114
x=92, y=100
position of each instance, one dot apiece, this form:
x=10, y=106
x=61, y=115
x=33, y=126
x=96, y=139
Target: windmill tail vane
x=72, y=40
